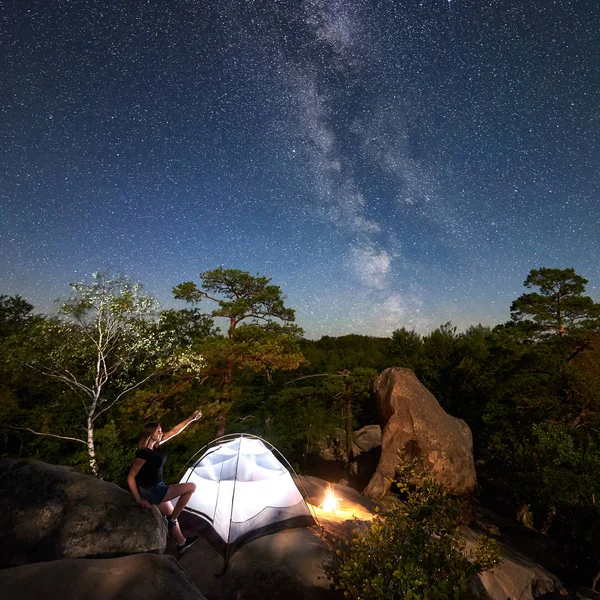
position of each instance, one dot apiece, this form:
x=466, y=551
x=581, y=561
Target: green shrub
x=413, y=549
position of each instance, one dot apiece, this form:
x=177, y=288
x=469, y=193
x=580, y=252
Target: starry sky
x=388, y=163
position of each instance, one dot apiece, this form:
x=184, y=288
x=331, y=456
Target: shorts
x=155, y=493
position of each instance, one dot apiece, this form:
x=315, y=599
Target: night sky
x=388, y=163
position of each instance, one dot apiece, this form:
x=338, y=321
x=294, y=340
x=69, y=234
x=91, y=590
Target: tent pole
x=237, y=462
x=287, y=462
x=224, y=569
x=215, y=441
x=230, y=437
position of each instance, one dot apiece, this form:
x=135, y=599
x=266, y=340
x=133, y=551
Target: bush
x=412, y=550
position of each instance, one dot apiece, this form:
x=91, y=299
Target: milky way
x=388, y=163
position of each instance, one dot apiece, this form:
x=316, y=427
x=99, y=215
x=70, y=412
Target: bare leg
x=166, y=508
x=184, y=491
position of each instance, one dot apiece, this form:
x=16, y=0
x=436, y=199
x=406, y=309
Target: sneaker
x=189, y=542
x=171, y=522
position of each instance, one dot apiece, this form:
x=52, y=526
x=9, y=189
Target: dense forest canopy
x=75, y=387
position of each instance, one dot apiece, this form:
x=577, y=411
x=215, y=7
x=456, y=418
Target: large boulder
x=415, y=425
x=49, y=512
x=366, y=439
x=138, y=577
x=517, y=576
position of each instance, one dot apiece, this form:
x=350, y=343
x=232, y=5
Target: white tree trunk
x=90, y=447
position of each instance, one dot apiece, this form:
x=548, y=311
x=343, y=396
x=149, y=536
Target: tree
x=358, y=387
x=406, y=348
x=260, y=334
x=559, y=306
x=437, y=361
x=15, y=320
x=188, y=325
x=15, y=313
x=346, y=352
x=102, y=347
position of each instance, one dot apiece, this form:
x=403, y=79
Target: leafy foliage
x=331, y=355
x=530, y=395
x=253, y=310
x=239, y=296
x=413, y=549
x=101, y=348
x=15, y=313
x=559, y=306
x=406, y=348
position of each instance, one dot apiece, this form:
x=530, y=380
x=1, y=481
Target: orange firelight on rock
x=340, y=509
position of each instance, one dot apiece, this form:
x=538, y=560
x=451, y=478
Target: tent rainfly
x=243, y=491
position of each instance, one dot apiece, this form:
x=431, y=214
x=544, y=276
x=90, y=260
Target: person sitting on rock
x=145, y=478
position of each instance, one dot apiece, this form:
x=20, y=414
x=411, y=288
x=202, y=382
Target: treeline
x=76, y=387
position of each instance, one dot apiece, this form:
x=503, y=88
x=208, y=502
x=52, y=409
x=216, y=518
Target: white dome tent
x=243, y=491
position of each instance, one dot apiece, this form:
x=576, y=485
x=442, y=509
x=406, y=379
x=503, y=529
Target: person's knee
x=189, y=488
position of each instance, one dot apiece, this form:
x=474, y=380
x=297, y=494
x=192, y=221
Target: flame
x=331, y=509
x=331, y=502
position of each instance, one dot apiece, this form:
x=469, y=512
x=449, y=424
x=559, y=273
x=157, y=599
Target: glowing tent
x=243, y=491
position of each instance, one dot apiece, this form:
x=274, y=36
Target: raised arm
x=179, y=428
x=138, y=463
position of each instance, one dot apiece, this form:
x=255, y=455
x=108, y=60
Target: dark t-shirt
x=151, y=472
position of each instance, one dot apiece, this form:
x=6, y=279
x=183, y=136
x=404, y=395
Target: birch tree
x=103, y=346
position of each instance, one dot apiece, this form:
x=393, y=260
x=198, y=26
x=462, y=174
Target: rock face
x=414, y=423
x=139, y=577
x=49, y=512
x=517, y=576
x=366, y=439
x=286, y=565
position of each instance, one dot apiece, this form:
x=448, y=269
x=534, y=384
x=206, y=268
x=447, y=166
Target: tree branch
x=125, y=391
x=340, y=374
x=242, y=419
x=73, y=381
x=580, y=349
x=588, y=427
x=60, y=437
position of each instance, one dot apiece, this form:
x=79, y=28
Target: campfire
x=331, y=508
x=331, y=502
